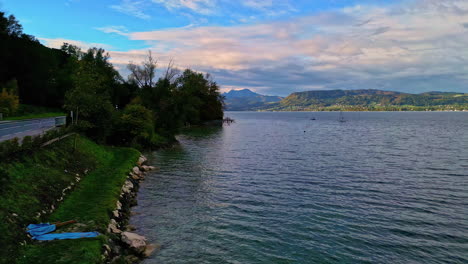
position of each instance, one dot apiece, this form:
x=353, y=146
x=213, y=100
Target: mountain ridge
x=247, y=100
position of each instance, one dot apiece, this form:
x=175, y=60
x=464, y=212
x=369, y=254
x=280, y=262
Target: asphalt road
x=20, y=129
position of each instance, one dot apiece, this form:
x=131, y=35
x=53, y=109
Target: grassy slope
x=39, y=178
x=90, y=204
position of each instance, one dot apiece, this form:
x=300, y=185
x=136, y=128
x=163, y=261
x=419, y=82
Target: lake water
x=389, y=187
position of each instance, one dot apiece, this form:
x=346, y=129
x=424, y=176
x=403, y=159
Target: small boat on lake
x=341, y=119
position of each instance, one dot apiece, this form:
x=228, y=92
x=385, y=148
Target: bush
x=134, y=127
x=8, y=103
x=10, y=149
x=27, y=144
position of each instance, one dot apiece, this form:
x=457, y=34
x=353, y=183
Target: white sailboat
x=341, y=119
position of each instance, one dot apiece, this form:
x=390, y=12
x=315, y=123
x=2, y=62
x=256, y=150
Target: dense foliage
x=88, y=85
x=9, y=100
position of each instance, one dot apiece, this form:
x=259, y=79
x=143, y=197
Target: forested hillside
x=371, y=100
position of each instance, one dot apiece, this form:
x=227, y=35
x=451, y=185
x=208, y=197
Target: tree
x=134, y=126
x=145, y=74
x=90, y=100
x=200, y=97
x=9, y=100
x=10, y=26
x=72, y=50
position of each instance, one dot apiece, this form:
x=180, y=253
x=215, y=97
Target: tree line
x=142, y=110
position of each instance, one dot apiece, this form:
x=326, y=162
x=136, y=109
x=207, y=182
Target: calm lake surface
x=388, y=187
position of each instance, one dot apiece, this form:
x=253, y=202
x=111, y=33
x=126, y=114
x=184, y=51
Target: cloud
x=198, y=6
x=58, y=42
x=132, y=8
x=120, y=30
x=228, y=8
x=258, y=4
x=408, y=47
x=270, y=7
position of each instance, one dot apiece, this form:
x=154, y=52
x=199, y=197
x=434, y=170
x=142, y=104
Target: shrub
x=27, y=144
x=134, y=126
x=12, y=148
x=9, y=100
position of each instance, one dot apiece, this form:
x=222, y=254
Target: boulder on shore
x=149, y=250
x=128, y=186
x=112, y=227
x=142, y=160
x=148, y=168
x=134, y=241
x=136, y=170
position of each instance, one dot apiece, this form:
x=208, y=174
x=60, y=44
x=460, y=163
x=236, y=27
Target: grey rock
x=128, y=186
x=116, y=213
x=136, y=170
x=142, y=160
x=149, y=250
x=134, y=241
x=130, y=228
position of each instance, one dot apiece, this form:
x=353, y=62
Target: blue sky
x=272, y=46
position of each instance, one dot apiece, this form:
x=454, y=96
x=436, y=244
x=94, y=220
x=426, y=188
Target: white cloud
x=133, y=8
x=411, y=47
x=199, y=6
x=270, y=7
x=120, y=30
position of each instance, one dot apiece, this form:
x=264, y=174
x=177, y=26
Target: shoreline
x=125, y=244
x=94, y=180
x=357, y=111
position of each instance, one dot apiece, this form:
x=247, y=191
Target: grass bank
x=35, y=181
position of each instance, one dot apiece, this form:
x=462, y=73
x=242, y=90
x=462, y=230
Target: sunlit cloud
x=56, y=43
x=412, y=46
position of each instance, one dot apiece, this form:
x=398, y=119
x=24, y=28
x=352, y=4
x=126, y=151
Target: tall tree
x=90, y=99
x=143, y=75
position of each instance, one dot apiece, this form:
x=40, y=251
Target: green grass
x=38, y=179
x=85, y=251
x=35, y=116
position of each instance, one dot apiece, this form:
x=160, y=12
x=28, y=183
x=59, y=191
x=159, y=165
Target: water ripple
x=380, y=188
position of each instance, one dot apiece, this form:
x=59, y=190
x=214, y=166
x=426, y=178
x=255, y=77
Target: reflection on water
x=282, y=188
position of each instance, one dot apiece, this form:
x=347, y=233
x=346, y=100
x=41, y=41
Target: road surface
x=20, y=129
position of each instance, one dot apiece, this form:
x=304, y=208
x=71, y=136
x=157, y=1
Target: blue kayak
x=40, y=229
x=62, y=236
x=41, y=232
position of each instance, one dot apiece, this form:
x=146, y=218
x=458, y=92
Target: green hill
x=370, y=100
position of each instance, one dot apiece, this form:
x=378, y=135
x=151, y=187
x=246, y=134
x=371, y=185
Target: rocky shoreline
x=125, y=246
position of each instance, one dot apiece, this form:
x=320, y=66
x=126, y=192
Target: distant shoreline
x=348, y=100
x=318, y=111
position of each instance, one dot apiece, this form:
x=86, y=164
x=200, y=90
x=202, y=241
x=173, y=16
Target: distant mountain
x=356, y=100
x=245, y=100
